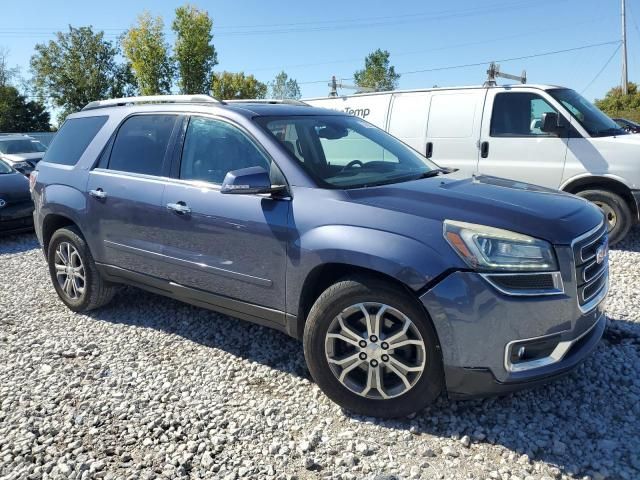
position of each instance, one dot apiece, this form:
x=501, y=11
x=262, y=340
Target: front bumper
x=18, y=218
x=478, y=325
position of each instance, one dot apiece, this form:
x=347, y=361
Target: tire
x=616, y=210
x=93, y=291
x=399, y=400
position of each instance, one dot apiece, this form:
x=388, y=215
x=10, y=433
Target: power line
x=603, y=68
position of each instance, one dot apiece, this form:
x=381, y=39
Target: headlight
x=489, y=248
x=21, y=165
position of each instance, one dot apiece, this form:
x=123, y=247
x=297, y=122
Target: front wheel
x=616, y=212
x=371, y=348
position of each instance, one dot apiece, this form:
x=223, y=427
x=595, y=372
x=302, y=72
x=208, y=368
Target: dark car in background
x=628, y=125
x=21, y=151
x=16, y=206
x=402, y=279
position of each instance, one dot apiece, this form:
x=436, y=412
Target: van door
x=513, y=145
x=408, y=119
x=453, y=128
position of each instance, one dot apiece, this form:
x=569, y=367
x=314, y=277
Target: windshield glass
x=4, y=168
x=596, y=123
x=21, y=146
x=346, y=152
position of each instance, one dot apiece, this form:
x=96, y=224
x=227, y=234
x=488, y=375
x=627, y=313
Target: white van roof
x=435, y=89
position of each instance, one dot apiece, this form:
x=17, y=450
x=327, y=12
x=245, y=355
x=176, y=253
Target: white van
x=541, y=134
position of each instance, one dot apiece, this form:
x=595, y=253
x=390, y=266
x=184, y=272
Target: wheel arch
x=610, y=184
x=53, y=222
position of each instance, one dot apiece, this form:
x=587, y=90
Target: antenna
x=494, y=72
x=335, y=86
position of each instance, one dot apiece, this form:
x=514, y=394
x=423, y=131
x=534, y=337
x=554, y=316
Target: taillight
x=32, y=180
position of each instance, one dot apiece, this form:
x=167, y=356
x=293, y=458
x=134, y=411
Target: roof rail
x=120, y=102
x=270, y=101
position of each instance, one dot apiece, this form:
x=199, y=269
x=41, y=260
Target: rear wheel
x=74, y=273
x=616, y=211
x=371, y=348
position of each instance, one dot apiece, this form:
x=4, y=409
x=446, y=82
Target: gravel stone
x=148, y=387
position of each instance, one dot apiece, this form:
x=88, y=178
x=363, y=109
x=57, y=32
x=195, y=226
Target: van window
x=213, y=148
x=141, y=144
x=518, y=114
x=72, y=140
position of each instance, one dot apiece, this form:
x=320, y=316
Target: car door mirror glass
x=249, y=180
x=550, y=122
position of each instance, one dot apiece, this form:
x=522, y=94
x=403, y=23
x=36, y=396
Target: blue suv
x=402, y=279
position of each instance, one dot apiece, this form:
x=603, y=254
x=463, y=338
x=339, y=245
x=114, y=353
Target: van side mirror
x=250, y=180
x=550, y=122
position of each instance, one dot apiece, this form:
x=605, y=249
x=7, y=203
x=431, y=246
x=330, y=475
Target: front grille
x=591, y=270
x=525, y=281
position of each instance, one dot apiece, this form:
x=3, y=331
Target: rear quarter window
x=72, y=140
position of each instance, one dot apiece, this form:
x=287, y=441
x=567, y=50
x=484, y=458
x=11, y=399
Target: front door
x=124, y=201
x=512, y=145
x=231, y=245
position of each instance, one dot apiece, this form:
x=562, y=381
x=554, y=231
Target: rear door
x=225, y=244
x=408, y=119
x=512, y=144
x=124, y=201
x=453, y=128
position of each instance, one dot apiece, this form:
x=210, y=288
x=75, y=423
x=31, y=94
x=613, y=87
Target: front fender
x=407, y=260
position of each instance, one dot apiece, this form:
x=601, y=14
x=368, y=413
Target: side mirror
x=550, y=122
x=250, y=180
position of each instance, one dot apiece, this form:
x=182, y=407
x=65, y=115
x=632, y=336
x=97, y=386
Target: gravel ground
x=148, y=387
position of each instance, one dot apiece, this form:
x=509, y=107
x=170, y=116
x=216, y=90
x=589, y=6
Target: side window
x=213, y=148
x=141, y=144
x=73, y=139
x=518, y=115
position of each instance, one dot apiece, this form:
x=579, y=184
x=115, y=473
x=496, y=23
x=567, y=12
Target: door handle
x=98, y=193
x=484, y=149
x=180, y=208
x=429, y=151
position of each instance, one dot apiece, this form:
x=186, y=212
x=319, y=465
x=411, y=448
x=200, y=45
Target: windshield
x=346, y=152
x=596, y=123
x=4, y=168
x=21, y=146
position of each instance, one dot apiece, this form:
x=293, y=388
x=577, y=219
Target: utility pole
x=625, y=76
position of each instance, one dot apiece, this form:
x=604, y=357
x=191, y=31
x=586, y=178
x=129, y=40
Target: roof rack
x=270, y=101
x=120, y=102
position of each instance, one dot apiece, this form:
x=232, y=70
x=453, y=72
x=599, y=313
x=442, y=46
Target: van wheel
x=74, y=274
x=616, y=211
x=372, y=349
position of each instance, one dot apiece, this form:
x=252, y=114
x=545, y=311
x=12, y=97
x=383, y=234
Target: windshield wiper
x=409, y=178
x=610, y=131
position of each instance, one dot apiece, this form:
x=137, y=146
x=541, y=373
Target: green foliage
x=17, y=114
x=193, y=50
x=377, y=72
x=284, y=87
x=7, y=74
x=145, y=47
x=229, y=85
x=76, y=68
x=615, y=104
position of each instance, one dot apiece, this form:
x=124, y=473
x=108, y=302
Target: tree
x=284, y=87
x=76, y=68
x=7, y=74
x=193, y=50
x=229, y=85
x=145, y=47
x=615, y=104
x=377, y=72
x=17, y=114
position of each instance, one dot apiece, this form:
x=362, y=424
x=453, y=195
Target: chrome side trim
x=554, y=357
x=558, y=284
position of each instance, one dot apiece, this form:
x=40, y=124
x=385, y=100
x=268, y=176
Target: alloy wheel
x=375, y=350
x=70, y=272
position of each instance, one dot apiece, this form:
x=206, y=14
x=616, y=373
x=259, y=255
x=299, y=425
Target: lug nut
x=385, y=358
x=362, y=343
x=384, y=345
x=363, y=356
x=374, y=363
x=373, y=338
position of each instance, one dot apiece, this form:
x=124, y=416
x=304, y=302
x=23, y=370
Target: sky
x=312, y=41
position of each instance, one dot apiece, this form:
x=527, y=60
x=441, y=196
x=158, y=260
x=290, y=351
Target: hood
x=520, y=207
x=21, y=157
x=14, y=187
